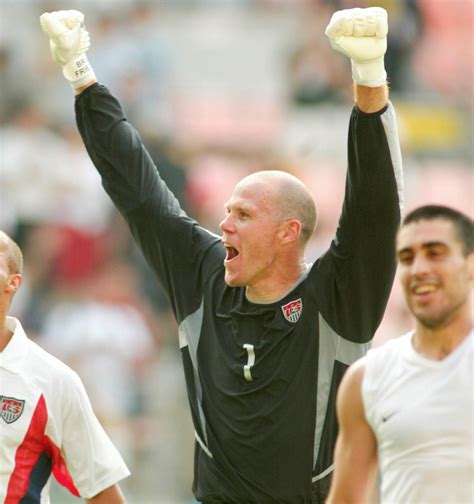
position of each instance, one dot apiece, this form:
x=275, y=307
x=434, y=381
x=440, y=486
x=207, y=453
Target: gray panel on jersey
x=189, y=333
x=332, y=347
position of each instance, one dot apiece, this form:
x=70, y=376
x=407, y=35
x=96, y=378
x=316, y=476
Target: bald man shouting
x=265, y=336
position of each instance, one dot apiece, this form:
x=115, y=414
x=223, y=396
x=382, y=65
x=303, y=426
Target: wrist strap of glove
x=78, y=71
x=369, y=73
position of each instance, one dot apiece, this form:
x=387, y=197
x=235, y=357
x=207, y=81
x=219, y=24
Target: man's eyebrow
x=435, y=244
x=239, y=205
x=424, y=245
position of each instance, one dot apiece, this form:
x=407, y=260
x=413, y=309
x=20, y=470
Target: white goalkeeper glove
x=361, y=34
x=69, y=41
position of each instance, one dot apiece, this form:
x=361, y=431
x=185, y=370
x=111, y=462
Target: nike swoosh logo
x=387, y=417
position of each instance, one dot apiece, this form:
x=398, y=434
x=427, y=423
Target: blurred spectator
x=104, y=331
x=444, y=60
x=406, y=31
x=46, y=177
x=144, y=80
x=212, y=175
x=32, y=171
x=315, y=75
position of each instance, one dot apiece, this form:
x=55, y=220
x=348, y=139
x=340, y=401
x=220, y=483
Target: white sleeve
x=92, y=460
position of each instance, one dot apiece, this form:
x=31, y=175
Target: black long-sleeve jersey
x=261, y=378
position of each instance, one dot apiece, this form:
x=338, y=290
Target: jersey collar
x=12, y=356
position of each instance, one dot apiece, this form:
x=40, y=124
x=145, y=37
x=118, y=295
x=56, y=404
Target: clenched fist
x=361, y=34
x=69, y=41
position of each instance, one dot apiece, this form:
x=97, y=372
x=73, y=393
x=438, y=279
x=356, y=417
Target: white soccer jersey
x=421, y=411
x=47, y=426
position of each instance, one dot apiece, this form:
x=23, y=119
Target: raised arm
x=355, y=457
x=179, y=251
x=360, y=264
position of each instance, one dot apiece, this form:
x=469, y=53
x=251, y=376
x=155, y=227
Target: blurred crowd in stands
x=217, y=89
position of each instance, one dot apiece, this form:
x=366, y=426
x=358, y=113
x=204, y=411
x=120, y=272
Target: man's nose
x=420, y=265
x=226, y=224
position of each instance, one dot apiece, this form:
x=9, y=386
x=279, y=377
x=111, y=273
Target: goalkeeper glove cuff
x=369, y=73
x=78, y=71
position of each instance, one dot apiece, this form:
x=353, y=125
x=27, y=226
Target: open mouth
x=423, y=290
x=231, y=253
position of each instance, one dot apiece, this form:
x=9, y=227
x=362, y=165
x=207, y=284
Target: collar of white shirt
x=14, y=353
